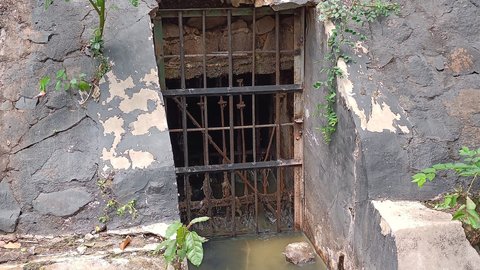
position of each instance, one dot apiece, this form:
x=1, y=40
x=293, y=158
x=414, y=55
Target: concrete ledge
x=425, y=238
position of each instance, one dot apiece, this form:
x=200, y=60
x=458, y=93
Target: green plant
x=462, y=201
x=181, y=243
x=342, y=15
x=96, y=46
x=128, y=207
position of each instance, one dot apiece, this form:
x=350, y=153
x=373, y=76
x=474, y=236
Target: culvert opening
x=231, y=79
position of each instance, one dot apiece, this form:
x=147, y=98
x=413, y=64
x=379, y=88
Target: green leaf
x=83, y=85
x=61, y=74
x=181, y=234
x=198, y=220
x=194, y=248
x=172, y=229
x=47, y=4
x=58, y=85
x=44, y=83
x=429, y=170
x=470, y=204
x=169, y=254
x=460, y=213
x=420, y=179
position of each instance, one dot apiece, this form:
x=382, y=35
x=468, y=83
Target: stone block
x=264, y=25
x=9, y=210
x=299, y=253
x=424, y=238
x=62, y=203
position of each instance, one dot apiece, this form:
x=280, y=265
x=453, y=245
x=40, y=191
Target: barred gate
x=232, y=84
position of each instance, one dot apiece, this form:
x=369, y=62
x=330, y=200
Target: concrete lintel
x=425, y=238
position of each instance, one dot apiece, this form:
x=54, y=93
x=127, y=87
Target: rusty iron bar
x=254, y=149
x=217, y=148
x=231, y=122
x=254, y=45
x=238, y=166
x=225, y=54
x=241, y=107
x=216, y=91
x=176, y=130
x=186, y=180
x=207, y=191
x=204, y=43
x=277, y=116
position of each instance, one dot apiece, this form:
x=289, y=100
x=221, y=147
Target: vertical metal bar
x=232, y=160
x=277, y=148
x=299, y=67
x=254, y=45
x=230, y=59
x=277, y=114
x=185, y=156
x=204, y=50
x=254, y=151
x=277, y=48
x=230, y=107
x=182, y=50
x=158, y=42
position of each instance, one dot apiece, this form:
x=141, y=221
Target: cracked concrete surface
x=50, y=148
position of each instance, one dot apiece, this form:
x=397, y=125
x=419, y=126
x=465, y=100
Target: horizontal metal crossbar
x=215, y=12
x=238, y=166
x=264, y=89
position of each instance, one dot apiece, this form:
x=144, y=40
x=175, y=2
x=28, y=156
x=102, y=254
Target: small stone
x=299, y=253
x=81, y=249
x=26, y=103
x=89, y=236
x=31, y=250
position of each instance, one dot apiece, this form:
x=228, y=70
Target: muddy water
x=253, y=253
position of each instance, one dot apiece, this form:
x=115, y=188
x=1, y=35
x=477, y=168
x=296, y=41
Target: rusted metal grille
x=231, y=115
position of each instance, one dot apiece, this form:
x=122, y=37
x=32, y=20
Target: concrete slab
x=425, y=238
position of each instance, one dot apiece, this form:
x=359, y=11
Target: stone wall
x=53, y=150
x=410, y=100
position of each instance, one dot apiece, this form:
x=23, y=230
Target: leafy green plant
x=343, y=15
x=96, y=47
x=180, y=243
x=462, y=201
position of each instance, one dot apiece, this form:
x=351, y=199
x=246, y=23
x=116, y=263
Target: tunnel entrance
x=231, y=79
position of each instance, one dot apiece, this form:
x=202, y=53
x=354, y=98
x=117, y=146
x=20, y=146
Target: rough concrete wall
x=334, y=177
x=53, y=150
x=410, y=100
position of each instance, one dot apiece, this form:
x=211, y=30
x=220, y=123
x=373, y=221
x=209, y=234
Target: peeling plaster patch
x=382, y=118
x=149, y=120
x=140, y=159
x=117, y=87
x=385, y=229
x=114, y=125
x=139, y=101
x=119, y=163
x=151, y=78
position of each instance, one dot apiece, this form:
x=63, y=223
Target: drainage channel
x=231, y=79
x=254, y=253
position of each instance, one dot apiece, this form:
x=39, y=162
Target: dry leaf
x=125, y=242
x=12, y=245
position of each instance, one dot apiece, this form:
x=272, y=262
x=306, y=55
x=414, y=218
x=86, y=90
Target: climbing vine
x=95, y=45
x=343, y=14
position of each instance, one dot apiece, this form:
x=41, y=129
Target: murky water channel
x=253, y=253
